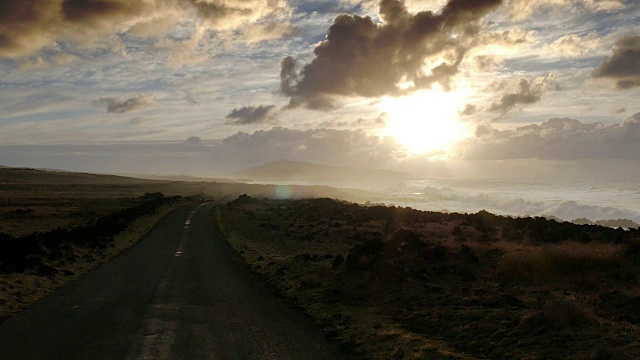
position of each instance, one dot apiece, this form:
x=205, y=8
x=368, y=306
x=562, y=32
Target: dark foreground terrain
x=397, y=283
x=179, y=293
x=56, y=225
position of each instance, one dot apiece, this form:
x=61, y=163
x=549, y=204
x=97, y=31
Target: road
x=179, y=293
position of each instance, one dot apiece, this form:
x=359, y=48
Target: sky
x=458, y=88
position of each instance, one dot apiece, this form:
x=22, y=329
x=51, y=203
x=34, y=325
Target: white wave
x=520, y=200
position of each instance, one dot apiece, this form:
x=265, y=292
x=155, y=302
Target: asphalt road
x=180, y=293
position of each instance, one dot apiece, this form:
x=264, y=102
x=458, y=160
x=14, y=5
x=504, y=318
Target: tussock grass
x=559, y=261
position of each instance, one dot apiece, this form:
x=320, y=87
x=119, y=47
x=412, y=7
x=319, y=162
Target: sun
x=427, y=121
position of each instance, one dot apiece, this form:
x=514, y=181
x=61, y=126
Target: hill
x=296, y=170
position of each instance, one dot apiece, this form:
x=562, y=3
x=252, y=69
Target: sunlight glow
x=427, y=121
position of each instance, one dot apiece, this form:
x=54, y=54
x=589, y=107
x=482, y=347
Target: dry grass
x=558, y=261
x=561, y=313
x=18, y=291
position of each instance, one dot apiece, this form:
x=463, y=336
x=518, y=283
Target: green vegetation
x=391, y=283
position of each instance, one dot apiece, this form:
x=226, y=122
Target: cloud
x=39, y=62
x=193, y=140
x=190, y=97
x=35, y=63
x=64, y=59
x=556, y=139
x=119, y=105
x=508, y=38
x=251, y=114
x=522, y=9
x=572, y=45
x=183, y=52
x=27, y=26
x=226, y=14
x=327, y=146
x=136, y=121
x=528, y=92
x=361, y=57
x=268, y=31
x=486, y=62
x=623, y=65
x=469, y=110
x=604, y=5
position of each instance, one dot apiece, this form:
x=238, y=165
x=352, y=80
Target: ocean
x=565, y=199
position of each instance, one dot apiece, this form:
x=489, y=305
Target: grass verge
x=20, y=290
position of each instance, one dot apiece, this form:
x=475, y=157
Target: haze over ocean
x=565, y=199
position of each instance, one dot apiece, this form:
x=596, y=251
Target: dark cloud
x=620, y=111
x=528, y=92
x=193, y=140
x=27, y=26
x=251, y=114
x=90, y=11
x=119, y=105
x=633, y=119
x=556, y=139
x=623, y=65
x=363, y=58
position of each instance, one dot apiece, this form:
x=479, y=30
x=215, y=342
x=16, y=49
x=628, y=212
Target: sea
x=564, y=199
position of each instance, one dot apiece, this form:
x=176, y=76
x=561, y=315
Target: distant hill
x=17, y=175
x=283, y=170
x=185, y=178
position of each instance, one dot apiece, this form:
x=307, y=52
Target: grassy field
x=396, y=283
x=37, y=201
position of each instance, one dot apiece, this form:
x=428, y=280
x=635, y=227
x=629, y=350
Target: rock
x=352, y=259
x=600, y=353
x=33, y=261
x=303, y=257
x=504, y=300
x=435, y=253
x=47, y=270
x=433, y=287
x=402, y=242
x=337, y=261
x=468, y=255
